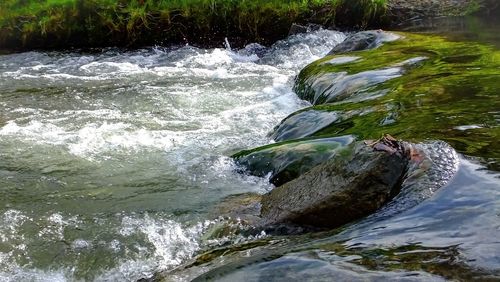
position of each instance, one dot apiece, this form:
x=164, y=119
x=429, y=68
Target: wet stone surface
x=282, y=162
x=340, y=190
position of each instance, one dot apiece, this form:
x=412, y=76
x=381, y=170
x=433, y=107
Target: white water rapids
x=111, y=163
x=109, y=160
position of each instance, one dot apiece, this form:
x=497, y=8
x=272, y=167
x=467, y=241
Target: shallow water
x=111, y=160
x=111, y=163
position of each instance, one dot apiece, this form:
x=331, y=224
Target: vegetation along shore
x=59, y=24
x=97, y=23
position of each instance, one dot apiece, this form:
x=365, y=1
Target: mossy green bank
x=29, y=24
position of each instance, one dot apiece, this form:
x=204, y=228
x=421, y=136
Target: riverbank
x=64, y=24
x=60, y=24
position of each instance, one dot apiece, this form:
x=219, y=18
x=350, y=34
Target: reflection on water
x=482, y=28
x=448, y=236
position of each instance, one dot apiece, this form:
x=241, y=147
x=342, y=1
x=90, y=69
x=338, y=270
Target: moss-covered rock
x=286, y=161
x=419, y=87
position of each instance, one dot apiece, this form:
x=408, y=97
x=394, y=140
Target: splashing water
x=110, y=160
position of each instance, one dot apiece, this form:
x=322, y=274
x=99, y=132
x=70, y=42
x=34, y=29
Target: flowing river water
x=111, y=162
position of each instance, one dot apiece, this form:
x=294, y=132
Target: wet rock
x=342, y=86
x=341, y=190
x=426, y=96
x=286, y=161
x=304, y=124
x=297, y=28
x=363, y=40
x=254, y=49
x=245, y=207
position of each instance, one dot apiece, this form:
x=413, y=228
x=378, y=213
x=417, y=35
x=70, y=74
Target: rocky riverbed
x=327, y=182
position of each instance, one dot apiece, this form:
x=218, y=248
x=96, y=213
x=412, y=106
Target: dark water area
x=479, y=28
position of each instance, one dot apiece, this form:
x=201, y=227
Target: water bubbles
x=80, y=244
x=108, y=136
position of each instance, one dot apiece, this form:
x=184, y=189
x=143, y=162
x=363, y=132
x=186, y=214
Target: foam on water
x=167, y=243
x=113, y=158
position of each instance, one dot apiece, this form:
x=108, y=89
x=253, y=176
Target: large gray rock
x=341, y=190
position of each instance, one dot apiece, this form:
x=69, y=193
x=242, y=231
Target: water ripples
x=111, y=159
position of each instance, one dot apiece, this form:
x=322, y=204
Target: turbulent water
x=111, y=160
x=111, y=163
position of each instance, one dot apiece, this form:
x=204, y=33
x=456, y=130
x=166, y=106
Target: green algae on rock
x=419, y=87
x=310, y=122
x=287, y=160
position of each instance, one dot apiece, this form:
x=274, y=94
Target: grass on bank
x=52, y=23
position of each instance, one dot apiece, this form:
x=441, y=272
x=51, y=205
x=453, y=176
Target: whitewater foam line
x=167, y=244
x=163, y=120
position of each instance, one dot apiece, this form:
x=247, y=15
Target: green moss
x=452, y=95
x=287, y=160
x=81, y=23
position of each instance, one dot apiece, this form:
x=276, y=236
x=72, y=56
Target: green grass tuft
x=95, y=23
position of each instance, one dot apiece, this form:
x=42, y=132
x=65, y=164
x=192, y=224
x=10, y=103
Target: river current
x=111, y=162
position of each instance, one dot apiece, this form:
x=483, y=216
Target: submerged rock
x=401, y=88
x=303, y=124
x=415, y=88
x=343, y=86
x=342, y=189
x=340, y=86
x=244, y=207
x=363, y=40
x=311, y=122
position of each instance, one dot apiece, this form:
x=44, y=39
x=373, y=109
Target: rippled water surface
x=111, y=160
